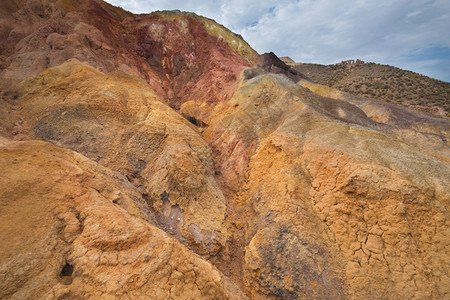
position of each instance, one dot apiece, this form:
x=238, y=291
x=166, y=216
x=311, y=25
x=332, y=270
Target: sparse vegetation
x=383, y=82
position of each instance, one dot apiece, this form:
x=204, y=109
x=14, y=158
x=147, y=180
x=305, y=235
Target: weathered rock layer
x=74, y=229
x=337, y=205
x=143, y=157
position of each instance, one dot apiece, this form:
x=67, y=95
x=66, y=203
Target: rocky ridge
x=381, y=82
x=213, y=173
x=182, y=56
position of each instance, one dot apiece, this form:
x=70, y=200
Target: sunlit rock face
x=158, y=156
x=336, y=204
x=181, y=55
x=75, y=229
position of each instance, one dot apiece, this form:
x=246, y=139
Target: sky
x=409, y=34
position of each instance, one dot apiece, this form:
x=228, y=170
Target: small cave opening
x=195, y=121
x=67, y=270
x=192, y=120
x=66, y=274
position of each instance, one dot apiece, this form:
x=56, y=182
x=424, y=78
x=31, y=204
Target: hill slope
x=178, y=54
x=171, y=163
x=383, y=82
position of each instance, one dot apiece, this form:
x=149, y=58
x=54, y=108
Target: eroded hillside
x=382, y=82
x=158, y=156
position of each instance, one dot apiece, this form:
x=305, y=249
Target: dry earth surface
x=160, y=157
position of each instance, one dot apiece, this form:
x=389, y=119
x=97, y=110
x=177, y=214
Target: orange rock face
x=336, y=205
x=142, y=157
x=120, y=122
x=74, y=229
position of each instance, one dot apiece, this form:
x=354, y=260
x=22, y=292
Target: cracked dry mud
x=74, y=212
x=270, y=190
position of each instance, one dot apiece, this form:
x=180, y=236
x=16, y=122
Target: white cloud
x=325, y=31
x=376, y=30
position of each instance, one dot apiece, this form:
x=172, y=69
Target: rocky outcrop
x=254, y=186
x=336, y=205
x=118, y=121
x=269, y=62
x=182, y=56
x=74, y=229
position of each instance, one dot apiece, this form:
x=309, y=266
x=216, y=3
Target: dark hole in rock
x=196, y=122
x=67, y=270
x=192, y=120
x=65, y=277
